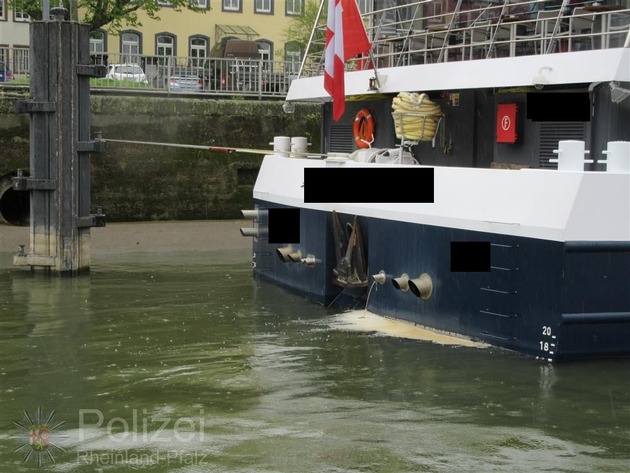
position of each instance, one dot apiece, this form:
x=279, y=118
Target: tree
x=116, y=14
x=299, y=30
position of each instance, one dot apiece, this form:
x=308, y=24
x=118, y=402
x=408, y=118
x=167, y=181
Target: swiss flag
x=345, y=38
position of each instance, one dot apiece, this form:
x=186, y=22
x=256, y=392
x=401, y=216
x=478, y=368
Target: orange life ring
x=363, y=128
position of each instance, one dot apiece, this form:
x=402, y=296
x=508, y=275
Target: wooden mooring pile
x=60, y=147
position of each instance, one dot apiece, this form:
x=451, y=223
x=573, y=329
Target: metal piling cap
x=59, y=13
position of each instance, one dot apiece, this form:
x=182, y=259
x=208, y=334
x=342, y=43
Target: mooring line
x=219, y=149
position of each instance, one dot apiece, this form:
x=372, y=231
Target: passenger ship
x=498, y=208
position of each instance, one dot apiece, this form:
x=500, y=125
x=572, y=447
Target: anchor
x=350, y=253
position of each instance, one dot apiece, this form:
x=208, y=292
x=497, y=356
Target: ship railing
x=418, y=32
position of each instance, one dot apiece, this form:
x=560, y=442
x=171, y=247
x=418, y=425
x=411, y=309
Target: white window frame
x=21, y=60
x=4, y=55
x=438, y=10
x=130, y=50
x=97, y=45
x=203, y=4
x=197, y=52
x=292, y=59
x=231, y=5
x=3, y=10
x=21, y=17
x=295, y=7
x=264, y=51
x=263, y=6
x=365, y=6
x=166, y=46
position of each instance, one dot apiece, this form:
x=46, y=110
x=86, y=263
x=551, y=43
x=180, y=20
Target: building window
x=21, y=59
x=292, y=57
x=21, y=16
x=130, y=47
x=198, y=48
x=435, y=11
x=4, y=55
x=2, y=10
x=165, y=45
x=232, y=5
x=365, y=6
x=265, y=49
x=203, y=4
x=263, y=6
x=98, y=46
x=164, y=3
x=295, y=7
x=97, y=42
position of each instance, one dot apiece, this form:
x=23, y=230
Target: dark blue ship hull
x=547, y=299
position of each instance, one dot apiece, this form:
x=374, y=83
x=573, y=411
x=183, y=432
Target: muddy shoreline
x=114, y=238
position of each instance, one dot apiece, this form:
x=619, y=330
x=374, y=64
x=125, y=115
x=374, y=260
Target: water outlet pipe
x=402, y=282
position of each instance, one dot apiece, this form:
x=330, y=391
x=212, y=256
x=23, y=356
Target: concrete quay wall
x=133, y=182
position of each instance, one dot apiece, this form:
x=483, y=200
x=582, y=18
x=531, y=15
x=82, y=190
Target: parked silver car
x=130, y=72
x=182, y=79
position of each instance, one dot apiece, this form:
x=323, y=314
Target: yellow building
x=193, y=34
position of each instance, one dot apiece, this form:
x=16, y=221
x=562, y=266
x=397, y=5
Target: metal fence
x=192, y=75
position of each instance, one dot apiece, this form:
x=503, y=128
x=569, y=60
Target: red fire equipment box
x=506, y=123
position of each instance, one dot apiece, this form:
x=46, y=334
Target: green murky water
x=181, y=362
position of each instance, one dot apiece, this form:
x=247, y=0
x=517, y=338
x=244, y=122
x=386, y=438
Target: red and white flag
x=345, y=38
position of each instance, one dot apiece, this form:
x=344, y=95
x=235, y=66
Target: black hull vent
x=551, y=133
x=341, y=139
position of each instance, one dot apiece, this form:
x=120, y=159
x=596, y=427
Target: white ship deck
x=566, y=206
x=417, y=46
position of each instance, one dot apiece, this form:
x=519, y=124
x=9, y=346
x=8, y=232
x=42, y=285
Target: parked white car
x=131, y=72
